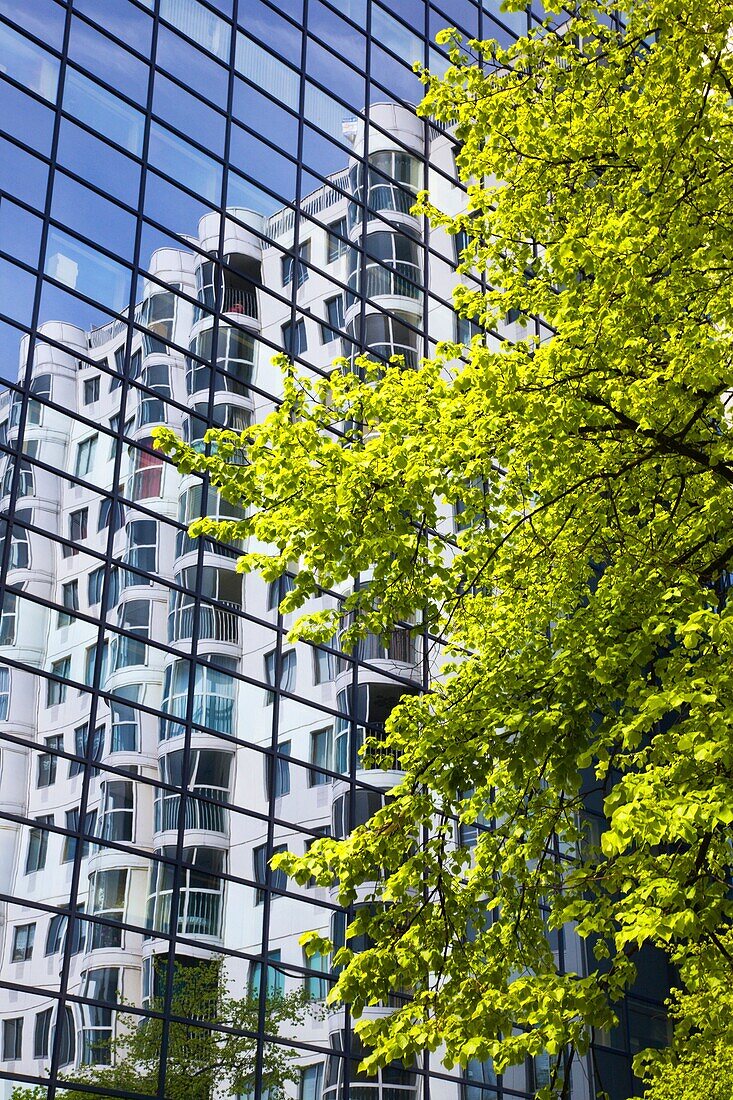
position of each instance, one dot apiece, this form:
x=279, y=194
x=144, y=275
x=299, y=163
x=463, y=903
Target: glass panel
x=103, y=111
x=27, y=63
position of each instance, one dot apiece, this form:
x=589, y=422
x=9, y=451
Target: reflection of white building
x=253, y=763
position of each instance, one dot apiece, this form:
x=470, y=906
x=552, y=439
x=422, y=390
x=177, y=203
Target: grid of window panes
x=186, y=188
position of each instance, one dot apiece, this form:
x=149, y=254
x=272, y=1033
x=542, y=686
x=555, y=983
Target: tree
x=201, y=1062
x=699, y=1062
x=583, y=606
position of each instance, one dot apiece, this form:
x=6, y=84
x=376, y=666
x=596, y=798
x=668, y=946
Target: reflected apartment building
x=161, y=738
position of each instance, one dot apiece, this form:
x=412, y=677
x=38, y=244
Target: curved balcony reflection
x=200, y=892
x=208, y=777
x=213, y=697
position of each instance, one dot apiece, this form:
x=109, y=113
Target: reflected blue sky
x=106, y=89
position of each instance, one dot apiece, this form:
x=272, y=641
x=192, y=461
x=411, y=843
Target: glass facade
x=188, y=187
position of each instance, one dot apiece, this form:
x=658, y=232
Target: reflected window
x=95, y=583
x=264, y=875
x=125, y=731
x=316, y=987
x=335, y=317
x=147, y=477
x=23, y=937
x=298, y=271
x=140, y=551
x=78, y=530
x=235, y=354
x=129, y=368
x=394, y=179
x=206, y=282
x=479, y=1077
x=4, y=692
x=294, y=337
x=111, y=513
x=152, y=409
x=277, y=590
x=118, y=810
x=370, y=704
x=96, y=1035
x=88, y=830
x=103, y=111
x=311, y=1081
x=47, y=761
x=197, y=423
x=281, y=764
x=81, y=738
x=337, y=244
x=133, y=615
x=190, y=508
x=8, y=618
x=13, y=1039
x=79, y=931
x=42, y=1033
x=91, y=390
x=275, y=980
x=20, y=549
x=320, y=756
x=467, y=832
x=56, y=934
x=395, y=1081
x=157, y=314
x=67, y=1040
x=208, y=778
x=466, y=330
x=90, y=664
x=213, y=696
x=287, y=672
x=393, y=266
x=365, y=804
x=40, y=389
x=213, y=623
x=200, y=892
x=108, y=890
x=26, y=471
x=27, y=63
x=70, y=600
x=35, y=859
x=196, y=22
x=55, y=691
x=85, y=456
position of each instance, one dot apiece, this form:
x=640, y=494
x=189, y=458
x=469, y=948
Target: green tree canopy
x=217, y=1051
x=583, y=605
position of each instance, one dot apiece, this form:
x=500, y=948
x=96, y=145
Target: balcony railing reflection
x=378, y=757
x=214, y=624
x=199, y=913
x=400, y=279
x=211, y=711
x=196, y=814
x=186, y=545
x=401, y=647
x=112, y=329
x=240, y=301
x=382, y=197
